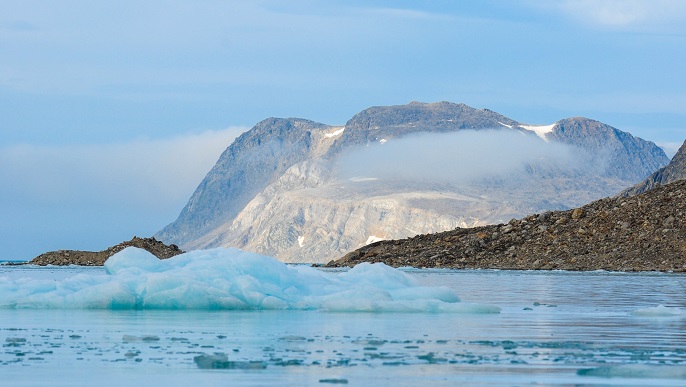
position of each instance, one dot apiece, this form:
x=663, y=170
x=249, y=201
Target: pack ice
x=227, y=278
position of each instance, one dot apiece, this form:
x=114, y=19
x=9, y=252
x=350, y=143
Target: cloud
x=458, y=158
x=144, y=173
x=93, y=196
x=632, y=14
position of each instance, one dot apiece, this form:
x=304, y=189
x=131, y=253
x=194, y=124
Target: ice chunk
x=134, y=260
x=233, y=279
x=640, y=371
x=659, y=311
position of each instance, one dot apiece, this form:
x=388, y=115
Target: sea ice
x=227, y=278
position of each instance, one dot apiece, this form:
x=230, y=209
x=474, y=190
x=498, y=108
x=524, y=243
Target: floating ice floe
x=224, y=278
x=639, y=371
x=659, y=311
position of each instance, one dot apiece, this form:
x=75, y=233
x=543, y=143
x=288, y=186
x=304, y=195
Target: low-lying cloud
x=458, y=157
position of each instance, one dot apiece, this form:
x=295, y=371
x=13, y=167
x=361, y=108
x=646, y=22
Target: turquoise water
x=555, y=328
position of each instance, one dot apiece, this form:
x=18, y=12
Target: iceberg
x=231, y=279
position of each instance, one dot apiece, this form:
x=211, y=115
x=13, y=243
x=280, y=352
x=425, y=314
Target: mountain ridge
x=276, y=189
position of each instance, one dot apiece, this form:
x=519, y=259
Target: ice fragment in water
x=639, y=371
x=659, y=311
x=227, y=278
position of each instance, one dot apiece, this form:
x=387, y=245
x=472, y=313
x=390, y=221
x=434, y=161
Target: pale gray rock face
x=308, y=192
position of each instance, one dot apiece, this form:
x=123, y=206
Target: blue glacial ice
x=227, y=279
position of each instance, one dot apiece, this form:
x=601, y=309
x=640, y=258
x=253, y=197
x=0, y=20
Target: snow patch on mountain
x=336, y=132
x=372, y=239
x=540, y=130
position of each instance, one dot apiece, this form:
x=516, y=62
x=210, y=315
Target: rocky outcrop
x=279, y=189
x=645, y=232
x=98, y=258
x=674, y=171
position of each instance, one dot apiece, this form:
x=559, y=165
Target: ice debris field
x=231, y=279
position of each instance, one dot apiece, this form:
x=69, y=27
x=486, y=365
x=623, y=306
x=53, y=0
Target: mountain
x=674, y=171
x=254, y=160
x=638, y=233
x=304, y=191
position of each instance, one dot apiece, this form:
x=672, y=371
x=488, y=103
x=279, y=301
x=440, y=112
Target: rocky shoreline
x=646, y=232
x=98, y=258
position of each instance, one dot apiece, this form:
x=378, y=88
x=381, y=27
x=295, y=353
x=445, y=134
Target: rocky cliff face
x=674, y=171
x=284, y=189
x=249, y=164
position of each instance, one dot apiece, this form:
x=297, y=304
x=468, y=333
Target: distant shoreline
x=641, y=233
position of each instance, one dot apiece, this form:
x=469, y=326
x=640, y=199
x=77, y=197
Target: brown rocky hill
x=675, y=170
x=98, y=258
x=645, y=232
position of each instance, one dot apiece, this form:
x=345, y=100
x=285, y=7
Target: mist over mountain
x=307, y=192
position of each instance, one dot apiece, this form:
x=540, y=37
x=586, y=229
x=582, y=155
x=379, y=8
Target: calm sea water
x=555, y=328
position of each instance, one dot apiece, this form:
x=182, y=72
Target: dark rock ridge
x=674, y=171
x=645, y=232
x=98, y=258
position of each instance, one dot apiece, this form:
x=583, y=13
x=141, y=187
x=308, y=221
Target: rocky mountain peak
x=379, y=123
x=278, y=189
x=255, y=159
x=610, y=148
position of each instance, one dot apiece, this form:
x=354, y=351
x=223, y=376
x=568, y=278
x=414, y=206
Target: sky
x=112, y=112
